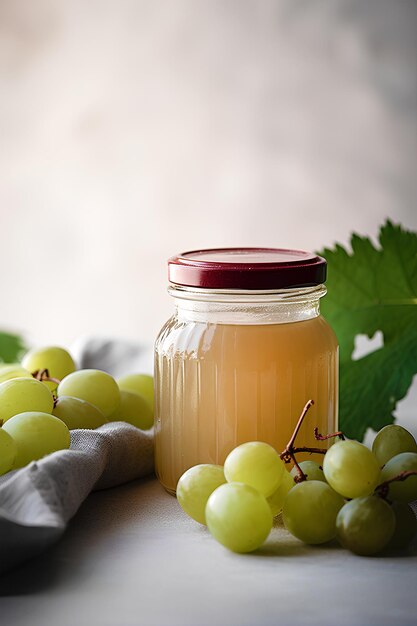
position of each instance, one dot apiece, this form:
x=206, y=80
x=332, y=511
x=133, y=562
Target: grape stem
x=43, y=375
x=304, y=412
x=309, y=450
x=319, y=437
x=288, y=454
x=383, y=489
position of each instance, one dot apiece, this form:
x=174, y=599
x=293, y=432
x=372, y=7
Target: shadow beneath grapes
x=282, y=548
x=282, y=543
x=278, y=522
x=411, y=551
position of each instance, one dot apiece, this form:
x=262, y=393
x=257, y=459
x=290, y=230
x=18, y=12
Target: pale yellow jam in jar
x=244, y=351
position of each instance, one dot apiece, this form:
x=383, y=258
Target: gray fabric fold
x=37, y=501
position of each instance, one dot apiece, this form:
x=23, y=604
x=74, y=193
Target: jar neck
x=246, y=307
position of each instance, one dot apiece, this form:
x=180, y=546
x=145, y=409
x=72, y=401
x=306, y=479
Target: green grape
x=405, y=526
x=351, y=469
x=392, y=440
x=365, y=525
x=238, y=517
x=138, y=383
x=77, y=413
x=57, y=361
x=36, y=434
x=13, y=370
x=94, y=386
x=196, y=486
x=135, y=410
x=311, y=469
x=404, y=491
x=276, y=500
x=24, y=394
x=310, y=511
x=8, y=451
x=256, y=464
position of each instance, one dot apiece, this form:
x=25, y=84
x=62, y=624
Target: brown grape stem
x=310, y=450
x=43, y=376
x=288, y=454
x=383, y=489
x=300, y=421
x=319, y=437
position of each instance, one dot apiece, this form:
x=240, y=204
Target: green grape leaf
x=374, y=288
x=11, y=348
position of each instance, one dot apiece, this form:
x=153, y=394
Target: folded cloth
x=37, y=501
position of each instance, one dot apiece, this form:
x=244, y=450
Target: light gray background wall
x=131, y=130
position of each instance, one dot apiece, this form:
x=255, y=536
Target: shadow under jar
x=244, y=351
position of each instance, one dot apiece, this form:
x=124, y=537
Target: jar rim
x=249, y=269
x=249, y=296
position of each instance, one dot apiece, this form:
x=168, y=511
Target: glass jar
x=244, y=351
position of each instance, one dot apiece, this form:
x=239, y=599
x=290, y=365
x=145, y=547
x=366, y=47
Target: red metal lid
x=247, y=268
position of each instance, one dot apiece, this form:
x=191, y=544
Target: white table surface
x=131, y=557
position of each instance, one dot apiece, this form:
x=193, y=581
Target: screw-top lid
x=247, y=268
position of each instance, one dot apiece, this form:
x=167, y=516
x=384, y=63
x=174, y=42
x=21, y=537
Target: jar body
x=220, y=384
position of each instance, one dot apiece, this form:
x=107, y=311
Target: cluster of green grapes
x=358, y=496
x=44, y=397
